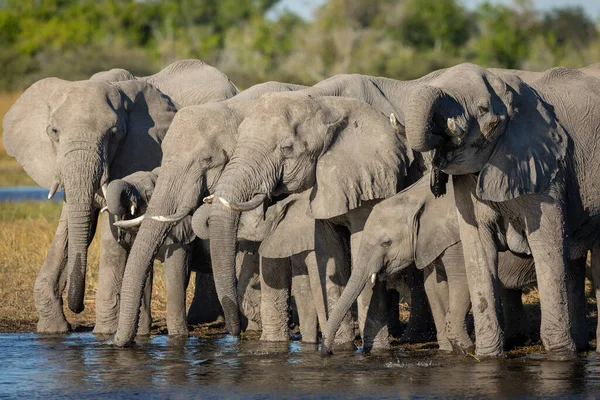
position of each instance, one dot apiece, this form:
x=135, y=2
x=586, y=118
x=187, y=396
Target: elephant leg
x=481, y=266
x=459, y=301
x=394, y=324
x=546, y=236
x=145, y=322
x=577, y=303
x=516, y=322
x=275, y=284
x=596, y=277
x=420, y=325
x=316, y=287
x=249, y=289
x=331, y=249
x=437, y=294
x=113, y=258
x=176, y=267
x=50, y=283
x=307, y=312
x=205, y=307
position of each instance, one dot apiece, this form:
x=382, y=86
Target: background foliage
x=400, y=39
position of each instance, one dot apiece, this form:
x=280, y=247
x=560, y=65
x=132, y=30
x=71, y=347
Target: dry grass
x=26, y=231
x=11, y=172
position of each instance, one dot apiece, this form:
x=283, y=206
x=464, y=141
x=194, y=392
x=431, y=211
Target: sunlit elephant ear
x=148, y=116
x=295, y=230
x=528, y=154
x=435, y=222
x=25, y=131
x=366, y=159
x=113, y=75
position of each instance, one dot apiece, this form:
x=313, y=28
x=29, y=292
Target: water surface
x=81, y=365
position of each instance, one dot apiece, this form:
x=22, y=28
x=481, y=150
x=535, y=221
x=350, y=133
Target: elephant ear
x=528, y=154
x=435, y=223
x=25, y=131
x=367, y=159
x=181, y=233
x=295, y=231
x=149, y=115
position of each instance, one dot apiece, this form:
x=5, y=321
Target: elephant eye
x=52, y=133
x=287, y=148
x=483, y=109
x=386, y=243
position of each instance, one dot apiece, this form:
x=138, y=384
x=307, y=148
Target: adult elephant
x=416, y=228
x=80, y=136
x=345, y=151
x=523, y=152
x=199, y=144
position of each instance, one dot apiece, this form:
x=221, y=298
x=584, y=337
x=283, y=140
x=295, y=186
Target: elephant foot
x=53, y=326
x=488, y=353
x=445, y=345
x=143, y=330
x=178, y=331
x=561, y=355
x=273, y=338
x=462, y=350
x=105, y=328
x=517, y=341
x=309, y=337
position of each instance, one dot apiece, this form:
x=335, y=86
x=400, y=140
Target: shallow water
x=81, y=365
x=27, y=193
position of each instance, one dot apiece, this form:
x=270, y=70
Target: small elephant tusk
x=454, y=128
x=132, y=209
x=208, y=199
x=225, y=202
x=130, y=223
x=393, y=121
x=104, y=209
x=373, y=278
x=53, y=189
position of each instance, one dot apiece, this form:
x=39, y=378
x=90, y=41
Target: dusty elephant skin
x=415, y=228
x=294, y=142
x=530, y=146
x=80, y=135
x=198, y=145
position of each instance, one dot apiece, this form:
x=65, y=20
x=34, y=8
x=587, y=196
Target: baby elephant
x=128, y=198
x=414, y=227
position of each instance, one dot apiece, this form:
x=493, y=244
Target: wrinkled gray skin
x=284, y=229
x=199, y=144
x=80, y=136
x=180, y=252
x=346, y=152
x=415, y=228
x=532, y=147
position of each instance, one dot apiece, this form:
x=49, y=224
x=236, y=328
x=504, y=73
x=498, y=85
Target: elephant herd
x=467, y=185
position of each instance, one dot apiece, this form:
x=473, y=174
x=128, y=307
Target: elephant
x=416, y=228
x=81, y=135
x=195, y=150
x=522, y=152
x=347, y=153
x=181, y=252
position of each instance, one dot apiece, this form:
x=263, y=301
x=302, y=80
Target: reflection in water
x=83, y=365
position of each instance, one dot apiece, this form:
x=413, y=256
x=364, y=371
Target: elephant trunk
x=369, y=260
x=424, y=127
x=246, y=176
x=118, y=189
x=80, y=183
x=149, y=239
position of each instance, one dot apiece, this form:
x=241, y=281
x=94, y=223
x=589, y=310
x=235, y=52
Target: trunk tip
x=122, y=342
x=326, y=350
x=76, y=305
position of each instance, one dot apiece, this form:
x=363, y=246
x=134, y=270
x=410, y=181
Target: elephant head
x=476, y=122
x=80, y=135
x=411, y=227
x=195, y=150
x=343, y=150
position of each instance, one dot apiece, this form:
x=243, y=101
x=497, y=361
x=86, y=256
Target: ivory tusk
x=130, y=223
x=393, y=121
x=132, y=209
x=373, y=278
x=208, y=199
x=53, y=189
x=104, y=188
x=104, y=209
